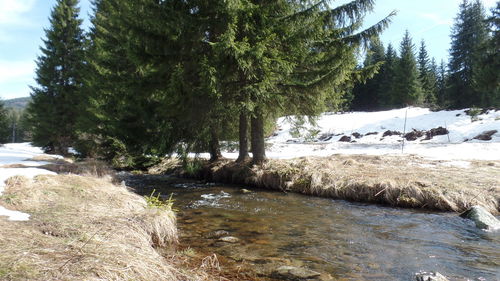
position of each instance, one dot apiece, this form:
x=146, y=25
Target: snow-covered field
x=19, y=153
x=458, y=144
x=323, y=139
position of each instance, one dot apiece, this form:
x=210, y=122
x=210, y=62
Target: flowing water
x=347, y=241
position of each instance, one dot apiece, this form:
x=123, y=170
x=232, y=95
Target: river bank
x=400, y=181
x=85, y=226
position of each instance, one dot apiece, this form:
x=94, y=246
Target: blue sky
x=22, y=23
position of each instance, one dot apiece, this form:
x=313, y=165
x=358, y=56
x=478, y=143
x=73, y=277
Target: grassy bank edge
x=85, y=227
x=406, y=182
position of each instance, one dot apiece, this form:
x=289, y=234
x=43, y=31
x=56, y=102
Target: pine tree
x=487, y=78
x=469, y=33
x=367, y=96
x=4, y=124
x=425, y=74
x=407, y=90
x=441, y=80
x=389, y=79
x=55, y=101
x=309, y=67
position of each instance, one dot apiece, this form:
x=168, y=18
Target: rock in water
x=482, y=218
x=430, y=276
x=294, y=273
x=229, y=239
x=245, y=191
x=217, y=234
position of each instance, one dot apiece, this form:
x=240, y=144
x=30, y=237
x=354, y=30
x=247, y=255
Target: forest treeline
x=470, y=79
x=155, y=77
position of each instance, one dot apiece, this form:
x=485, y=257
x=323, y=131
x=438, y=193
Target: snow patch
x=17, y=154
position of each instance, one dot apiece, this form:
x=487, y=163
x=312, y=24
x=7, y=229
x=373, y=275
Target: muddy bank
x=409, y=181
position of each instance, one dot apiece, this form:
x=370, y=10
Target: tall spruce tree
x=426, y=74
x=408, y=89
x=367, y=96
x=487, y=78
x=55, y=100
x=386, y=99
x=4, y=124
x=469, y=33
x=312, y=46
x=441, y=80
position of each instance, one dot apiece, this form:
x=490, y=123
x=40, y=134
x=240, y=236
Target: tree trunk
x=214, y=146
x=258, y=148
x=243, y=145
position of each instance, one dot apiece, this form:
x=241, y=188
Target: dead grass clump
x=84, y=228
x=89, y=167
x=168, y=164
x=408, y=181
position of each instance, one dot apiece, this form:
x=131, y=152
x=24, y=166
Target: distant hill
x=19, y=103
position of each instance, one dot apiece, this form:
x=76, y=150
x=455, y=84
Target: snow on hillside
x=366, y=131
x=18, y=153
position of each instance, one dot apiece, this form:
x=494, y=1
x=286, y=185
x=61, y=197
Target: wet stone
x=217, y=234
x=430, y=276
x=295, y=273
x=229, y=239
x=482, y=218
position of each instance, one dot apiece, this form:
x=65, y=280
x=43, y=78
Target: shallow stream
x=347, y=241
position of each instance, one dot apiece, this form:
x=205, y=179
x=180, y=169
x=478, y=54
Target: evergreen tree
x=55, y=101
x=407, y=90
x=367, y=96
x=487, y=78
x=4, y=124
x=389, y=79
x=309, y=67
x=441, y=80
x=426, y=75
x=469, y=33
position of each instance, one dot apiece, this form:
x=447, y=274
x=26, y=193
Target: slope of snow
x=18, y=154
x=458, y=144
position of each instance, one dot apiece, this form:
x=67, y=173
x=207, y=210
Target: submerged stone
x=217, y=234
x=294, y=273
x=482, y=218
x=229, y=239
x=430, y=276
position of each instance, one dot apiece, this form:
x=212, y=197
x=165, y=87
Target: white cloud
x=436, y=19
x=16, y=71
x=11, y=11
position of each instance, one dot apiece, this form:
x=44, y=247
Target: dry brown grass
x=85, y=228
x=409, y=181
x=89, y=167
x=166, y=165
